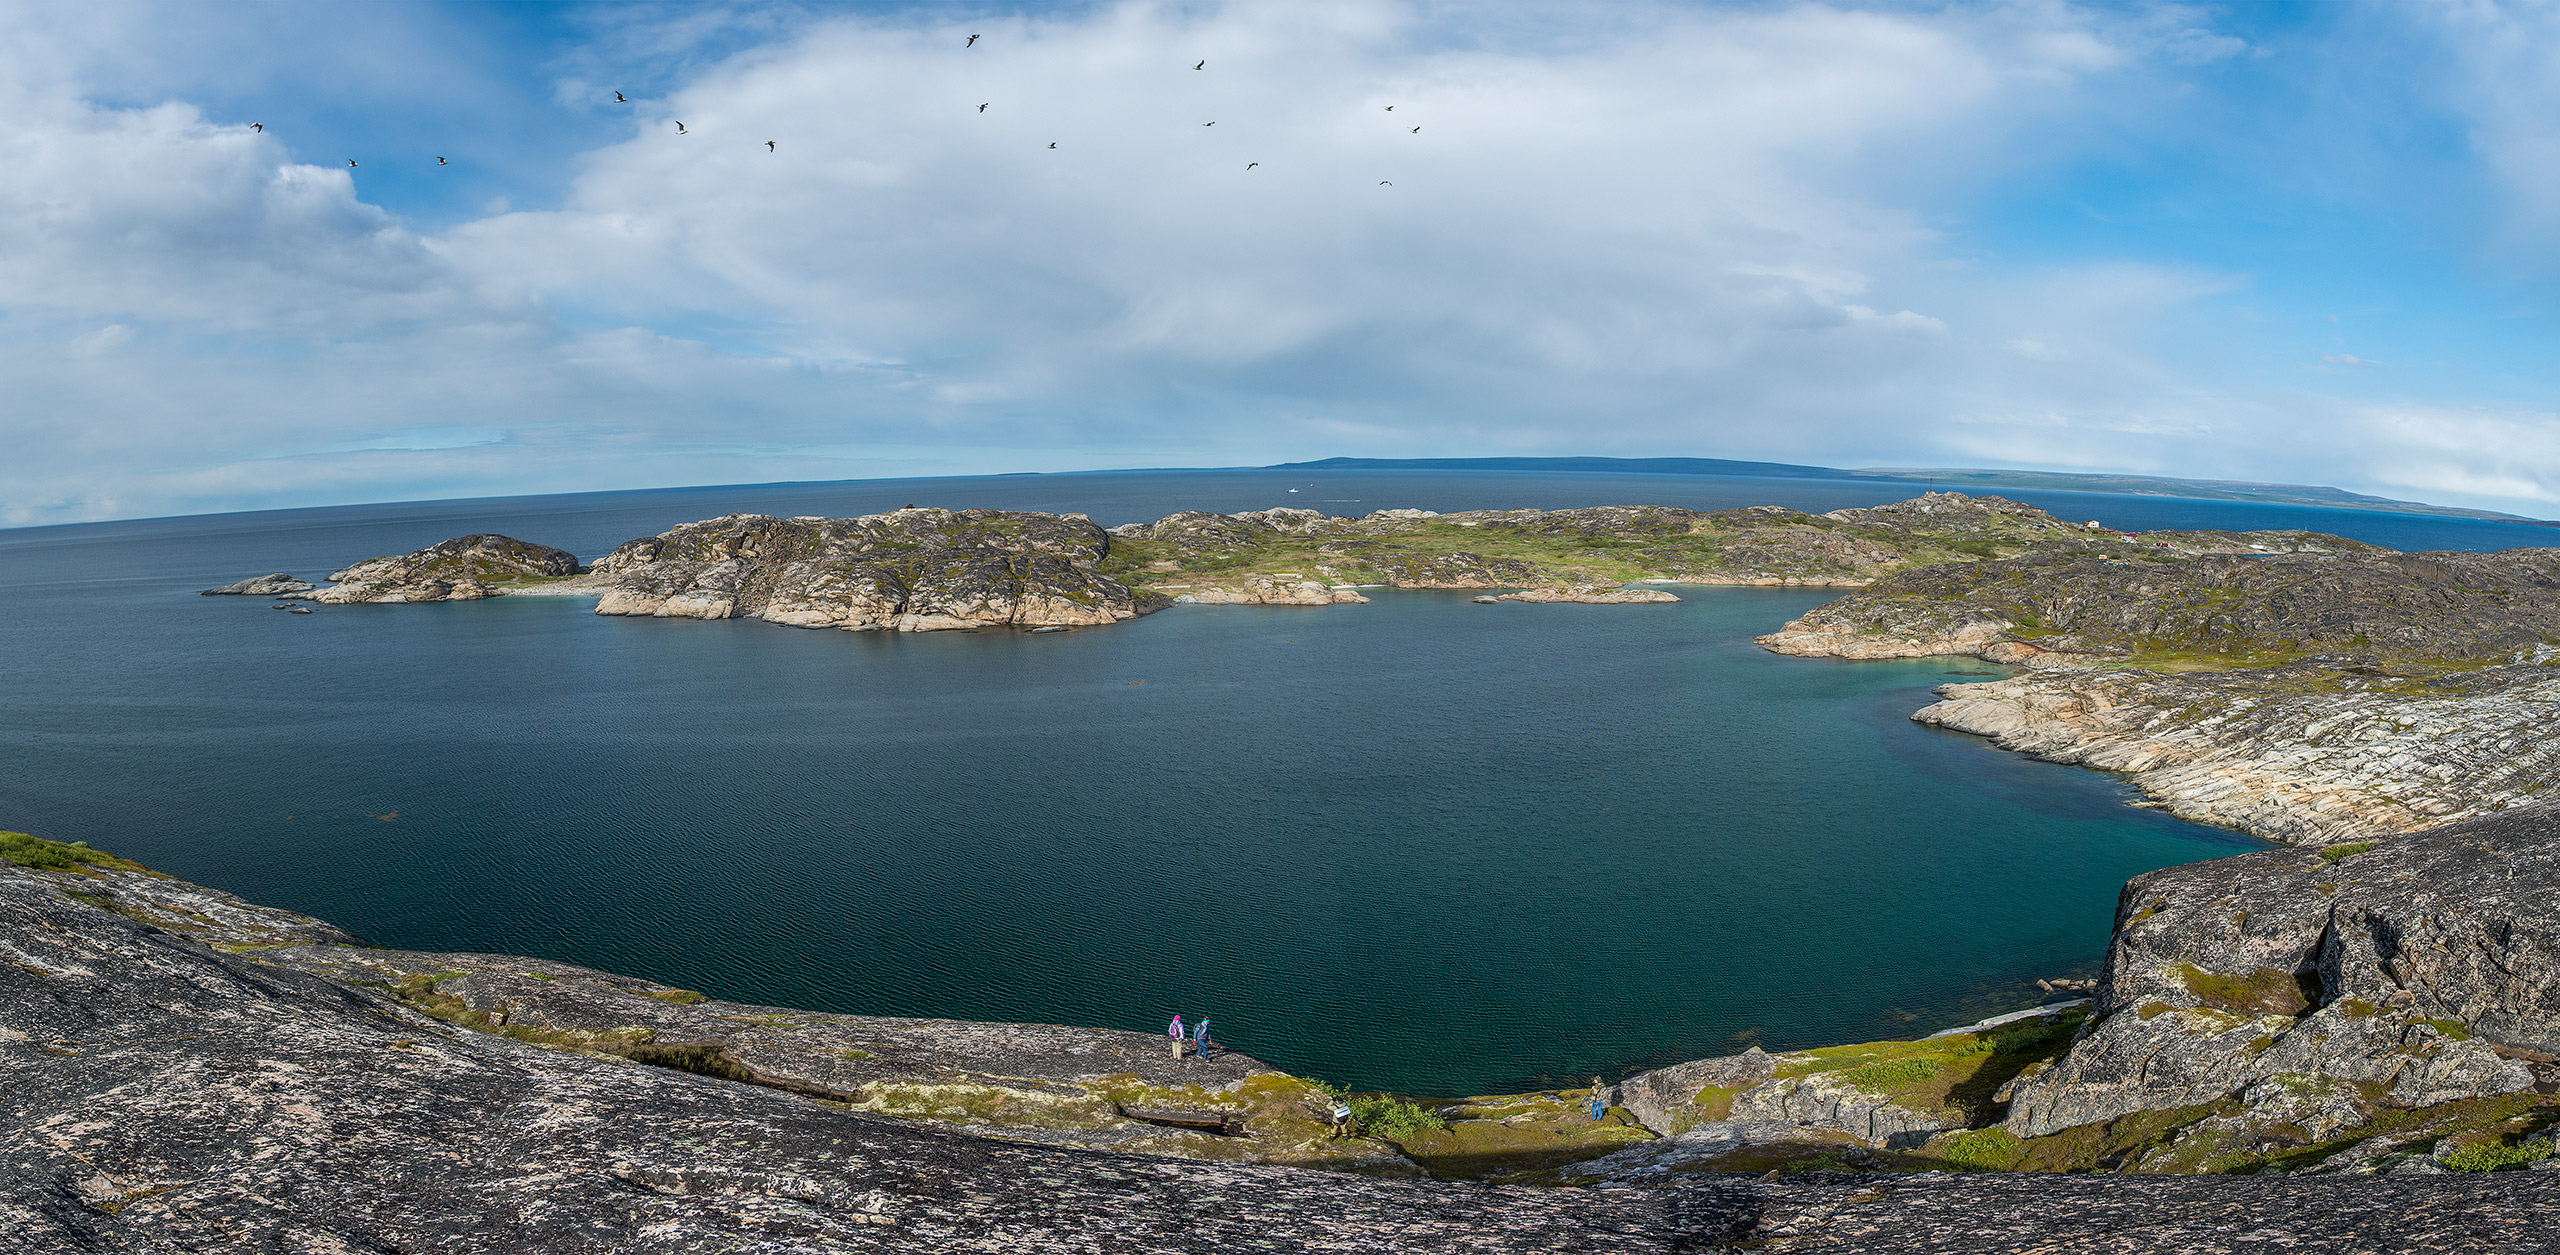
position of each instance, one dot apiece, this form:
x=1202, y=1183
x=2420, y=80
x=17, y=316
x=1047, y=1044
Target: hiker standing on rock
x=1599, y=1105
x=1201, y=1050
x=1174, y=1031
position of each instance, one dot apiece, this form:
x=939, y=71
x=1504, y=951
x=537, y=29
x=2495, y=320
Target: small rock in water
x=274, y=584
x=1487, y=600
x=299, y=610
x=1054, y=627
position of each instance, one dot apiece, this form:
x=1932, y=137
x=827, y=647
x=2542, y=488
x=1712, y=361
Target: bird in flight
x=768, y=146
x=1391, y=108
x=442, y=162
x=680, y=129
x=1204, y=64
x=351, y=163
x=1417, y=130
x=982, y=108
x=618, y=99
x=1384, y=183
x=257, y=126
x=1208, y=124
x=1251, y=164
x=973, y=42
x=1053, y=145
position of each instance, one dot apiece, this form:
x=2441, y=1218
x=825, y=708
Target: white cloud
x=1669, y=231
x=2456, y=453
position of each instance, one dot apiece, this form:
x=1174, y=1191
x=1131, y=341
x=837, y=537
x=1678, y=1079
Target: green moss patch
x=2266, y=991
x=1954, y=1075
x=58, y=856
x=2492, y=1150
x=1980, y=1150
x=2344, y=850
x=1518, y=1138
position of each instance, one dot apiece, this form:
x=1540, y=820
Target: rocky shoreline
x=2310, y=689
x=192, y=1071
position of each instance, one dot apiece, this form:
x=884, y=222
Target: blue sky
x=2308, y=243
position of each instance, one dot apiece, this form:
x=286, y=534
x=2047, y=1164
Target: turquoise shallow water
x=1419, y=844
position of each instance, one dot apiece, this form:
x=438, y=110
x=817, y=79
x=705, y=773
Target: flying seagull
x=1251, y=164
x=618, y=99
x=982, y=108
x=1417, y=130
x=680, y=129
x=768, y=146
x=973, y=42
x=1391, y=108
x=1384, y=183
x=1204, y=64
x=1208, y=124
x=257, y=126
x=442, y=162
x=1053, y=145
x=351, y=163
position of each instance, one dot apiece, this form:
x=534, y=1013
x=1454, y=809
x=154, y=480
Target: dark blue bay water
x=1419, y=844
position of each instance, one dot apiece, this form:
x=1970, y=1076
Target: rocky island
x=926, y=569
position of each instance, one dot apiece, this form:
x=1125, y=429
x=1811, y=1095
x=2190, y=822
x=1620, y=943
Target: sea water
x=1418, y=844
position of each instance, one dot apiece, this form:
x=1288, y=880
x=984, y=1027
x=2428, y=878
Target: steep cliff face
x=915, y=570
x=2308, y=995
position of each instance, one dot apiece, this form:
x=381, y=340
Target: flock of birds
x=771, y=147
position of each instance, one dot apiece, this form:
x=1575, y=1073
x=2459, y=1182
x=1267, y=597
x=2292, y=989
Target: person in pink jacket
x=1174, y=1031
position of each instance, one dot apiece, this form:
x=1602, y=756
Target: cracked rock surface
x=2311, y=753
x=2421, y=971
x=164, y=1094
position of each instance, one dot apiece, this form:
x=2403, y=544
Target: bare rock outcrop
x=277, y=584
x=912, y=570
x=465, y=568
x=2283, y=984
x=175, y=1085
x=1876, y=1096
x=1279, y=590
x=1591, y=596
x=2310, y=753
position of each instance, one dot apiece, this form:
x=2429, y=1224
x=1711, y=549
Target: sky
x=2305, y=243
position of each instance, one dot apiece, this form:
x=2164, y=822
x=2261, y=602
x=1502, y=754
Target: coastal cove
x=1420, y=844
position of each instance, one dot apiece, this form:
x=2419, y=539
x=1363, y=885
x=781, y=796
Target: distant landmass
x=2050, y=481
